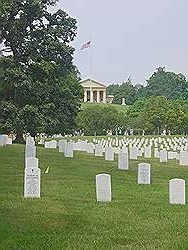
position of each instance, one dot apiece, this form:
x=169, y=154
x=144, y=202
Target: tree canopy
x=168, y=84
x=39, y=87
x=156, y=114
x=161, y=82
x=125, y=90
x=98, y=120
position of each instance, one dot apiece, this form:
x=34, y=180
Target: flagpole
x=85, y=46
x=90, y=73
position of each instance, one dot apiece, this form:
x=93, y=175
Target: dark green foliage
x=112, y=89
x=97, y=119
x=162, y=82
x=133, y=116
x=156, y=114
x=125, y=90
x=168, y=84
x=39, y=79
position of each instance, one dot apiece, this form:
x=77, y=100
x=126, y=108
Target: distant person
x=164, y=132
x=126, y=132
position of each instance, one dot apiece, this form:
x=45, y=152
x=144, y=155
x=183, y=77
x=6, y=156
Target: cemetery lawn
x=119, y=108
x=67, y=215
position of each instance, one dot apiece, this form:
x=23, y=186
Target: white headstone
x=90, y=148
x=177, y=191
x=147, y=152
x=83, y=146
x=32, y=183
x=98, y=150
x=144, y=173
x=133, y=153
x=172, y=155
x=9, y=141
x=62, y=146
x=30, y=141
x=109, y=154
x=50, y=144
x=3, y=140
x=163, y=156
x=156, y=152
x=123, y=161
x=47, y=144
x=53, y=144
x=124, y=150
x=103, y=187
x=69, y=149
x=184, y=158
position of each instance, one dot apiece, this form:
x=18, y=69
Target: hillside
x=120, y=108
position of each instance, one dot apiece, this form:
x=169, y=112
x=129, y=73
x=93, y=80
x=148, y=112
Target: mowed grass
x=119, y=108
x=67, y=215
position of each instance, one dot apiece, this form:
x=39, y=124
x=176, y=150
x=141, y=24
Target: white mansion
x=95, y=91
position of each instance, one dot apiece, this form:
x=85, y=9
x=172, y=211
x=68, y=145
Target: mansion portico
x=94, y=91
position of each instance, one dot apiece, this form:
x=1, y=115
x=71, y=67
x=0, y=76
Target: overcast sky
x=129, y=37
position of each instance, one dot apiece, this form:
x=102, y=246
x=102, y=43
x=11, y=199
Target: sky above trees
x=129, y=37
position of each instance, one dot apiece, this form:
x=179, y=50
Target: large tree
x=125, y=90
x=40, y=90
x=96, y=119
x=154, y=114
x=166, y=83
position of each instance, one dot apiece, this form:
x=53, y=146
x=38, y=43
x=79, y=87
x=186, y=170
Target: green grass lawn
x=67, y=215
x=120, y=108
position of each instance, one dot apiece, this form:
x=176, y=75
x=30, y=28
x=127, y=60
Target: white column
x=104, y=96
x=85, y=95
x=91, y=95
x=98, y=96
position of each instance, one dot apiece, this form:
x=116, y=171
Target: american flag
x=86, y=45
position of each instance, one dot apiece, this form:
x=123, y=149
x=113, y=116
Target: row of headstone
x=66, y=147
x=104, y=189
x=138, y=142
x=163, y=154
x=133, y=152
x=103, y=181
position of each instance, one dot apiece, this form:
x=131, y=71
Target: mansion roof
x=92, y=83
